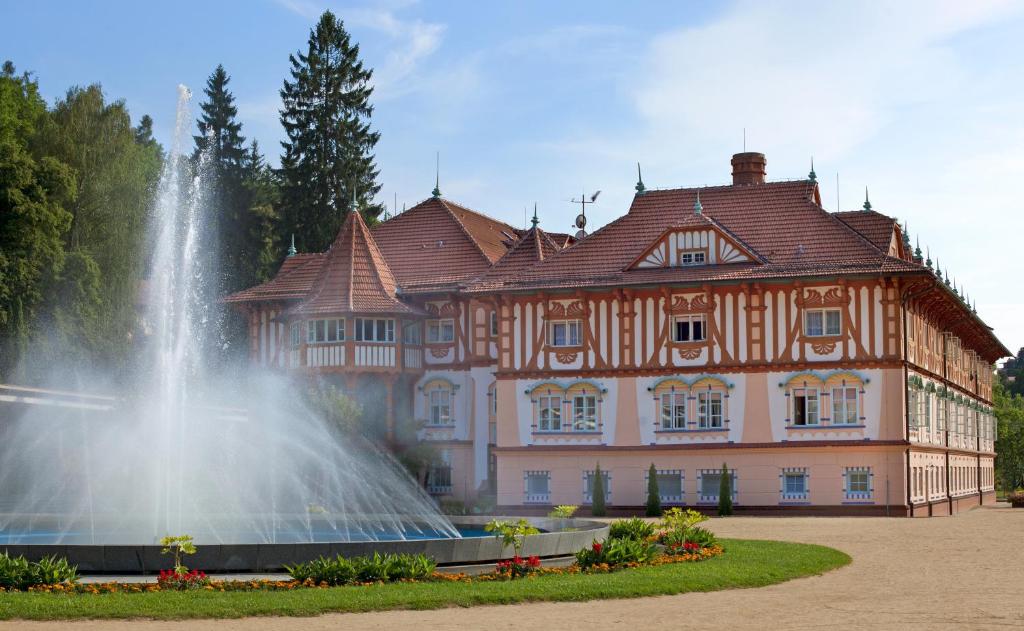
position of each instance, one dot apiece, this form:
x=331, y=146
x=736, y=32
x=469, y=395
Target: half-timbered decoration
x=824, y=363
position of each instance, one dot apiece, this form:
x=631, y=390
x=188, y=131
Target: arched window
x=845, y=392
x=547, y=402
x=805, y=394
x=711, y=395
x=440, y=395
x=672, y=399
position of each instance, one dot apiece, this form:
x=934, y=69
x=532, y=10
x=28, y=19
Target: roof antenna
x=291, y=250
x=640, y=188
x=867, y=202
x=437, y=176
x=535, y=221
x=581, y=219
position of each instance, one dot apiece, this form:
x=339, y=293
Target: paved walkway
x=963, y=572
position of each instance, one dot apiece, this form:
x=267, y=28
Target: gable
x=681, y=247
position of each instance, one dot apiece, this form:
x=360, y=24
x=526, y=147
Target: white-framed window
x=564, y=333
x=375, y=330
x=325, y=331
x=549, y=413
x=926, y=411
x=494, y=324
x=440, y=406
x=692, y=257
x=709, y=410
x=440, y=331
x=411, y=333
x=941, y=414
x=857, y=482
x=537, y=487
x=805, y=406
x=296, y=334
x=584, y=413
x=670, y=485
x=822, y=322
x=673, y=410
x=710, y=482
x=690, y=328
x=914, y=406
x=794, y=484
x=844, y=406
x=588, y=486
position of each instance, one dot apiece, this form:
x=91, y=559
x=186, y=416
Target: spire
x=917, y=252
x=437, y=177
x=291, y=250
x=640, y=188
x=354, y=206
x=974, y=307
x=906, y=238
x=697, y=208
x=938, y=270
x=535, y=221
x=812, y=176
x=867, y=202
x=947, y=277
x=928, y=261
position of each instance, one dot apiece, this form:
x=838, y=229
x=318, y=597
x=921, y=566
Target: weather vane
x=581, y=219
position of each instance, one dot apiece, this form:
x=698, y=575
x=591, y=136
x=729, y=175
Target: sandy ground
x=963, y=572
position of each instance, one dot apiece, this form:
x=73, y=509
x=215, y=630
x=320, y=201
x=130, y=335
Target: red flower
x=534, y=561
x=597, y=547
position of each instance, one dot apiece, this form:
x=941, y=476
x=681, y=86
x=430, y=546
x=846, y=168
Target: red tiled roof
x=534, y=246
x=354, y=277
x=779, y=221
x=874, y=226
x=293, y=281
x=438, y=244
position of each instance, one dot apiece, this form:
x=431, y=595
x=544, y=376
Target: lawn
x=745, y=563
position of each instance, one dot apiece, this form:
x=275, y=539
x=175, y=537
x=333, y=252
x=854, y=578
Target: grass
x=746, y=563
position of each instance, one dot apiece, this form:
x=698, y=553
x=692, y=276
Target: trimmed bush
x=597, y=508
x=632, y=528
x=725, y=493
x=653, y=494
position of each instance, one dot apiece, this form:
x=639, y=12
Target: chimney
x=748, y=168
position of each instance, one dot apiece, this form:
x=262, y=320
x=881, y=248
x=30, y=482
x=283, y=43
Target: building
x=829, y=366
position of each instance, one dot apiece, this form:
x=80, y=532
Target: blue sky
x=537, y=101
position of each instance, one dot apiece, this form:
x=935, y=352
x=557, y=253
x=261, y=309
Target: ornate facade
x=814, y=354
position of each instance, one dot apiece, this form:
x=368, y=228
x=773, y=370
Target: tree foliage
x=653, y=494
x=597, y=505
x=1009, y=412
x=329, y=152
x=725, y=492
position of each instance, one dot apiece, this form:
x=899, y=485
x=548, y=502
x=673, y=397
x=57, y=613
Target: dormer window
x=564, y=333
x=692, y=257
x=822, y=322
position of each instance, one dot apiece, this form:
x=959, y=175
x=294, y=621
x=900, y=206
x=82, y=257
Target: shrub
x=1016, y=499
x=511, y=534
x=564, y=511
x=653, y=494
x=686, y=540
x=615, y=552
x=18, y=573
x=369, y=569
x=632, y=528
x=725, y=493
x=677, y=519
x=597, y=508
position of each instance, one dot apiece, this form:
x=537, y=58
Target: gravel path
x=963, y=572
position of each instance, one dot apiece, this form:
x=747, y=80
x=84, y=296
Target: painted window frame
x=325, y=331
x=806, y=412
x=703, y=474
x=690, y=319
x=572, y=325
x=864, y=486
x=376, y=327
x=412, y=333
x=588, y=421
x=825, y=330
x=696, y=257
x=673, y=402
x=440, y=419
x=800, y=493
x=536, y=495
x=588, y=494
x=676, y=474
x=440, y=330
x=549, y=412
x=843, y=405
x=707, y=418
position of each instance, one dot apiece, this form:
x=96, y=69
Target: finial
x=697, y=208
x=867, y=202
x=974, y=307
x=938, y=271
x=928, y=261
x=812, y=176
x=437, y=177
x=956, y=290
x=355, y=204
x=917, y=250
x=640, y=188
x=291, y=249
x=906, y=237
x=535, y=221
x=947, y=277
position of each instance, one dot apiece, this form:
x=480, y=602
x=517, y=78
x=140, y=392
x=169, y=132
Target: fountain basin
x=558, y=537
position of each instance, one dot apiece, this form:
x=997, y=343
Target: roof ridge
x=465, y=230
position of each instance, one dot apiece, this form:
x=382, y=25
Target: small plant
x=511, y=533
x=597, y=508
x=18, y=573
x=616, y=552
x=632, y=528
x=564, y=511
x=725, y=493
x=178, y=546
x=678, y=519
x=653, y=494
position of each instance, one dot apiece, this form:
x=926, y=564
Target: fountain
x=231, y=457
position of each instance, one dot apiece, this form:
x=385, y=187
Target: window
x=537, y=485
x=368, y=330
x=941, y=413
x=693, y=257
x=670, y=486
x=858, y=482
x=822, y=322
x=494, y=324
x=440, y=331
x=584, y=413
x=588, y=486
x=549, y=413
x=690, y=328
x=325, y=331
x=439, y=475
x=673, y=410
x=440, y=406
x=711, y=482
x=844, y=406
x=794, y=483
x=411, y=333
x=296, y=335
x=494, y=401
x=805, y=406
x=709, y=410
x=926, y=402
x=564, y=333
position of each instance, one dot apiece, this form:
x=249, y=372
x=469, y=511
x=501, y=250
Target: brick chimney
x=748, y=168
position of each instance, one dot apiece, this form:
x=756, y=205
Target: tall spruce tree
x=326, y=112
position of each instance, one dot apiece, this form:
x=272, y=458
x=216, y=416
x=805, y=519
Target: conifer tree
x=653, y=494
x=218, y=128
x=597, y=508
x=325, y=112
x=725, y=492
